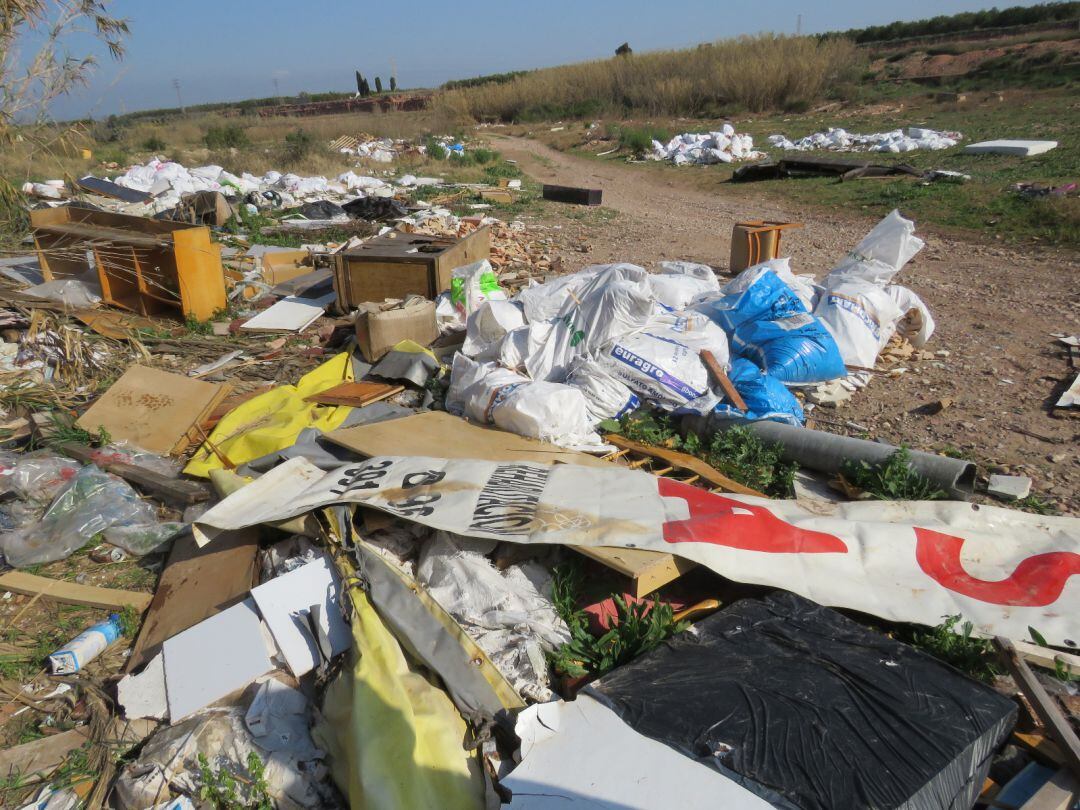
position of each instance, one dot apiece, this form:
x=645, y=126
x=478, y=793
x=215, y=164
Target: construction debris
x=836, y=139
x=545, y=486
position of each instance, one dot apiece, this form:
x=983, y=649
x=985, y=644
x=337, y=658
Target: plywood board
x=197, y=583
x=72, y=593
x=443, y=435
x=285, y=603
x=355, y=394
x=214, y=658
x=152, y=409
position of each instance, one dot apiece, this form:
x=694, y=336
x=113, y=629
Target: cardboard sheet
x=153, y=409
x=1023, y=148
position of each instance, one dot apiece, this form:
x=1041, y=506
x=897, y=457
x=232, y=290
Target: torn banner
x=1002, y=569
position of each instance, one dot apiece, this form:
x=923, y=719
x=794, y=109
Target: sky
x=235, y=49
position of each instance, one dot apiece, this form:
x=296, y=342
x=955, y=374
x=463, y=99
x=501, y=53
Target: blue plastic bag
x=765, y=396
x=769, y=324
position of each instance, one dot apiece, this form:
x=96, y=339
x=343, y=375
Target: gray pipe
x=826, y=452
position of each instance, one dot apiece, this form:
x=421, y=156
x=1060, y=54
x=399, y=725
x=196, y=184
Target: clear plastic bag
x=90, y=503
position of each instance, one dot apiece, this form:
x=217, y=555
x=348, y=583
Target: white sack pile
x=840, y=140
x=861, y=307
x=724, y=146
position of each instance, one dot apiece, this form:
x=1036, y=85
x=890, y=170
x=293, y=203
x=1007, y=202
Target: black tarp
x=811, y=710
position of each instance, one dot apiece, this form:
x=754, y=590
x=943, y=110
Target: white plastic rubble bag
x=916, y=325
x=605, y=396
x=861, y=317
x=613, y=301
x=542, y=302
x=552, y=412
x=488, y=325
x=679, y=283
x=880, y=255
x=662, y=362
x=473, y=284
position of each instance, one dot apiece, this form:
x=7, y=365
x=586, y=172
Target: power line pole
x=277, y=90
x=176, y=86
x=798, y=25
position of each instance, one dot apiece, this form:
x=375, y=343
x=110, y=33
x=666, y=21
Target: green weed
x=640, y=627
x=1034, y=503
x=129, y=621
x=224, y=790
x=973, y=656
x=892, y=480
x=638, y=140
x=1061, y=669
x=736, y=452
x=435, y=150
x=154, y=144
x=64, y=432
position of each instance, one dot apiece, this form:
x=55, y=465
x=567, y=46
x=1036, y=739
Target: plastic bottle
x=85, y=647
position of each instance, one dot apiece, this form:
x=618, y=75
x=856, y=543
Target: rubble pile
x=366, y=523
x=836, y=139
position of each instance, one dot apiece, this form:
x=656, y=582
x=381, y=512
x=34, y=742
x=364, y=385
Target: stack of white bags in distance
x=564, y=355
x=836, y=139
x=724, y=146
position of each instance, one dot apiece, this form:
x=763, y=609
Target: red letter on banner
x=714, y=519
x=1036, y=582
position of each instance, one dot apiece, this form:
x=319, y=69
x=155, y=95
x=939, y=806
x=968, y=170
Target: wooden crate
x=149, y=266
x=399, y=264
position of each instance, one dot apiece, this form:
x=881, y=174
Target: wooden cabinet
x=395, y=265
x=148, y=266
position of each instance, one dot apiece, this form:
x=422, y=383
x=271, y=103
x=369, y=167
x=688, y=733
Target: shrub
x=153, y=144
x=298, y=144
x=229, y=136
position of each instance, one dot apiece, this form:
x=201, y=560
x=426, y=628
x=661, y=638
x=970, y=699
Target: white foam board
x=214, y=658
x=581, y=755
x=285, y=603
x=144, y=695
x=1007, y=147
x=289, y=315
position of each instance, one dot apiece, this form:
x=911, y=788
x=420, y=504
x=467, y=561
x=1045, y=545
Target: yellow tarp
x=273, y=420
x=394, y=740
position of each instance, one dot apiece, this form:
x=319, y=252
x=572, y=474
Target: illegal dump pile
x=429, y=526
x=836, y=139
x=704, y=148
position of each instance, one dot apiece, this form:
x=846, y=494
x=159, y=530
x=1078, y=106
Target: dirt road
x=996, y=308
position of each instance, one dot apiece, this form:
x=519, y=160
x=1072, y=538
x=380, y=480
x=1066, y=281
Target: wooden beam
x=177, y=492
x=720, y=376
x=1048, y=658
x=1057, y=726
x=72, y=593
x=683, y=461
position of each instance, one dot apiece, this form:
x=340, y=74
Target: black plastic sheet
x=810, y=710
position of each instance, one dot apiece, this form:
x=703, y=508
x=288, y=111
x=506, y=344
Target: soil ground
x=996, y=307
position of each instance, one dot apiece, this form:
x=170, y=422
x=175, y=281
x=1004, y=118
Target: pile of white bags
x=836, y=139
x=859, y=305
x=724, y=146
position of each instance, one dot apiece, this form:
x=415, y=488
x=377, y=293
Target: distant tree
x=365, y=89
x=624, y=50
x=393, y=83
x=378, y=85
x=359, y=83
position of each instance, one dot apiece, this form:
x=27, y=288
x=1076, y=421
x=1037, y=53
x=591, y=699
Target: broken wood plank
x=355, y=394
x=1043, y=749
x=683, y=461
x=197, y=583
x=1048, y=658
x=72, y=593
x=177, y=492
x=1057, y=726
x=721, y=377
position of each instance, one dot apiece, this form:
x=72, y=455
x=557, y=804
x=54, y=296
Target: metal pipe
x=827, y=452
